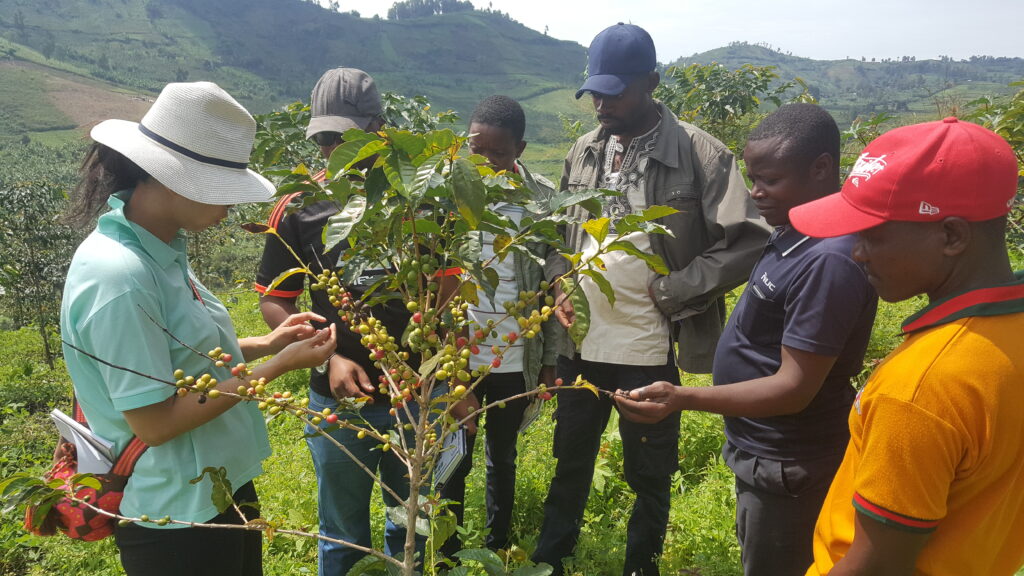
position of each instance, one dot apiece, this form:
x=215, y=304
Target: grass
x=700, y=536
x=26, y=108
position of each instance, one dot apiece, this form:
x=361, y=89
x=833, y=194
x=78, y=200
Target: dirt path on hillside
x=86, y=101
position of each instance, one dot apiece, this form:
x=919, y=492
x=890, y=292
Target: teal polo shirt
x=118, y=271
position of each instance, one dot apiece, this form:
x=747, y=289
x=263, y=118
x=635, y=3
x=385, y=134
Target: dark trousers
x=777, y=506
x=501, y=426
x=195, y=551
x=650, y=457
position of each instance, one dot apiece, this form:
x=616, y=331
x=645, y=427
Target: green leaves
x=444, y=526
x=501, y=244
x=340, y=225
x=284, y=276
x=581, y=310
x=487, y=559
x=589, y=200
x=602, y=284
x=654, y=262
x=221, y=493
x=469, y=191
x=399, y=517
x=598, y=228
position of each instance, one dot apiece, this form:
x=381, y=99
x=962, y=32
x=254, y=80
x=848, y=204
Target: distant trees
x=423, y=8
x=35, y=244
x=726, y=103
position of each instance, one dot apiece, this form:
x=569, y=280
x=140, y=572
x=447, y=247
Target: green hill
x=269, y=52
x=67, y=63
x=904, y=85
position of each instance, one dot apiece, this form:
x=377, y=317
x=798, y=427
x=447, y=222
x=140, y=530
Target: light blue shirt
x=118, y=271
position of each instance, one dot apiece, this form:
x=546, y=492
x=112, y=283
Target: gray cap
x=343, y=99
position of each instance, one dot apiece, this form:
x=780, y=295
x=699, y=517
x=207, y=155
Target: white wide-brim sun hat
x=195, y=140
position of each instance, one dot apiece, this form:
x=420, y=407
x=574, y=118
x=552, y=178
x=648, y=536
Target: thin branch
x=255, y=525
x=104, y=362
x=173, y=337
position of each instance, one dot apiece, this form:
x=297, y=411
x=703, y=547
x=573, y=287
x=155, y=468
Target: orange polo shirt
x=937, y=441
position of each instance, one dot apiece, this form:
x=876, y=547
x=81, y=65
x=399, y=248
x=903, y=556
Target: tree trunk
x=46, y=339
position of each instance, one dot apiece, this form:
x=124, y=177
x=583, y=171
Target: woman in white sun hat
x=131, y=296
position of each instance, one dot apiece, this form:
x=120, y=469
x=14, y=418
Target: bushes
x=25, y=380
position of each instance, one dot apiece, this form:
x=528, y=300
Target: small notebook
x=452, y=453
x=95, y=454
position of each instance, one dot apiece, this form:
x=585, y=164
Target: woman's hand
x=163, y=421
x=294, y=328
x=313, y=350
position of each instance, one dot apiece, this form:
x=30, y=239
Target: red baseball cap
x=919, y=173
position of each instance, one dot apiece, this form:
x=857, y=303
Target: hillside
x=849, y=88
x=269, y=52
x=67, y=63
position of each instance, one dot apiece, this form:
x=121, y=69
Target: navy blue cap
x=618, y=55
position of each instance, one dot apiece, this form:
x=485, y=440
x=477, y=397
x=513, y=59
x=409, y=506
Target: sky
x=819, y=29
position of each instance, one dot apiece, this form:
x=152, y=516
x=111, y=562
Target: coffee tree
x=35, y=243
x=726, y=103
x=1006, y=118
x=418, y=208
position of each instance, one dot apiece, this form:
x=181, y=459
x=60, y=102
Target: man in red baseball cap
x=933, y=478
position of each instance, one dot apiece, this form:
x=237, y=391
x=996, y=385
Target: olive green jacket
x=542, y=350
x=718, y=234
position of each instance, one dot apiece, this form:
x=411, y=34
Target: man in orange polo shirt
x=932, y=482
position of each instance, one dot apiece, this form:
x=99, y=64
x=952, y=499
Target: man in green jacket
x=651, y=158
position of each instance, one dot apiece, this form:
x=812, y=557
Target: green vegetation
x=26, y=109
x=700, y=537
x=917, y=89
x=269, y=52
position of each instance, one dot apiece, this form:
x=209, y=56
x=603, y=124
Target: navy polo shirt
x=807, y=294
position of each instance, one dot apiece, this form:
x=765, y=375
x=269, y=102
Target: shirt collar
x=666, y=147
x=115, y=221
x=786, y=239
x=991, y=301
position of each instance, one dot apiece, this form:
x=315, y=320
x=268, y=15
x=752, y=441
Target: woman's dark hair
x=103, y=172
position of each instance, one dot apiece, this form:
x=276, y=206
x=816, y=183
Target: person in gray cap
x=643, y=151
x=344, y=99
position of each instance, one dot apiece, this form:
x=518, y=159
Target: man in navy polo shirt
x=783, y=367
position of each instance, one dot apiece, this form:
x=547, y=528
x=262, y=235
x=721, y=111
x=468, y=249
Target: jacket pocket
x=678, y=192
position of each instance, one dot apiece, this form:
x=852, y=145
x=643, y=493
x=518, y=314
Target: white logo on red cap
x=866, y=167
x=927, y=209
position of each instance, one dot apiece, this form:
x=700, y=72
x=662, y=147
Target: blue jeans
x=344, y=488
x=650, y=456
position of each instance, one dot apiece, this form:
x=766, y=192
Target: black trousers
x=501, y=426
x=195, y=551
x=777, y=506
x=650, y=457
